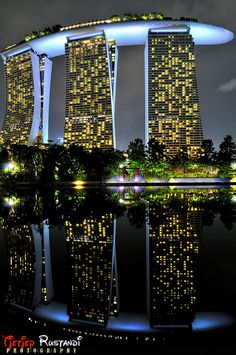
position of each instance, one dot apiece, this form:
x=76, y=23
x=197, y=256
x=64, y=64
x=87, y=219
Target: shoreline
x=227, y=182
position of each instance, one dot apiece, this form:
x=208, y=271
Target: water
x=150, y=267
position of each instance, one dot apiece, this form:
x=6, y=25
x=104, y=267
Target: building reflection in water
x=92, y=269
x=174, y=226
x=173, y=237
x=29, y=265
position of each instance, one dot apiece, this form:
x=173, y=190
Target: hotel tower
x=27, y=98
x=90, y=91
x=172, y=115
x=171, y=94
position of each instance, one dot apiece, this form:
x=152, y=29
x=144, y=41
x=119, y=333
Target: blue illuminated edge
x=204, y=321
x=124, y=33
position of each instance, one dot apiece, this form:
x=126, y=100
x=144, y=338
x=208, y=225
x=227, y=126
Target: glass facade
x=90, y=83
x=172, y=105
x=27, y=98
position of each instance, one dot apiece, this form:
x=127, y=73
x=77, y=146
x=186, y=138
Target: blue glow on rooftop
x=125, y=34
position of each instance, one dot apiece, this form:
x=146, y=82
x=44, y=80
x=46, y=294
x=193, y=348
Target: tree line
x=55, y=162
x=154, y=161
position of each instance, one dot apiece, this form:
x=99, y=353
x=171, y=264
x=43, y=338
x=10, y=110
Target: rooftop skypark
x=149, y=16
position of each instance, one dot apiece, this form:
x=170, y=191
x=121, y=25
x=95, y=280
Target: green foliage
x=58, y=163
x=127, y=17
x=209, y=153
x=102, y=163
x=135, y=17
x=159, y=169
x=155, y=150
x=115, y=18
x=227, y=151
x=136, y=150
x=70, y=164
x=46, y=31
x=26, y=162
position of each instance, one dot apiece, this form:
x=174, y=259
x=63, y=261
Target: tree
x=160, y=16
x=56, y=28
x=102, y=163
x=136, y=150
x=208, y=151
x=70, y=164
x=115, y=18
x=227, y=151
x=50, y=157
x=155, y=150
x=181, y=159
x=127, y=17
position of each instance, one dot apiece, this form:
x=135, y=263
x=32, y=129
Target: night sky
x=216, y=65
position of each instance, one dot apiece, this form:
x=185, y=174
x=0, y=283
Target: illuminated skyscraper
x=90, y=249
x=173, y=248
x=172, y=105
x=27, y=81
x=90, y=91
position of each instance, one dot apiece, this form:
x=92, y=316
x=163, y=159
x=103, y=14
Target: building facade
x=27, y=98
x=90, y=91
x=171, y=94
x=172, y=108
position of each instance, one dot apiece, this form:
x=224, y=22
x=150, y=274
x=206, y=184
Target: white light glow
x=10, y=166
x=233, y=165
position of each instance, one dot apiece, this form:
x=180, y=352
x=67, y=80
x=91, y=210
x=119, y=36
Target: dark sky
x=216, y=65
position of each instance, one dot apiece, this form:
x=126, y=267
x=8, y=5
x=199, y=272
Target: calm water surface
x=126, y=265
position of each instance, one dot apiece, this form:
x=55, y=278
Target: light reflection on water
x=125, y=259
